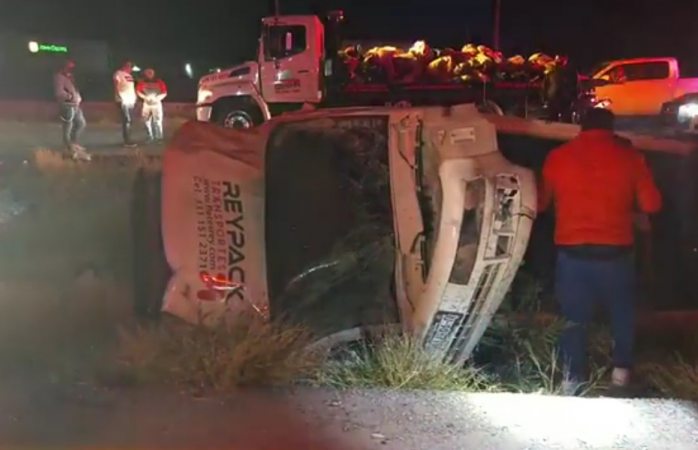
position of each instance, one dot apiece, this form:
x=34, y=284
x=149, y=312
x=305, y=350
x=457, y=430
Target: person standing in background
x=72, y=117
x=152, y=91
x=125, y=96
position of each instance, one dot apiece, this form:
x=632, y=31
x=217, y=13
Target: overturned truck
x=339, y=220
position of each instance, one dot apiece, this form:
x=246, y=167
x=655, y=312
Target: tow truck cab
x=346, y=218
x=289, y=72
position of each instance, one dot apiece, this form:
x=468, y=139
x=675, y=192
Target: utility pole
x=277, y=8
x=497, y=19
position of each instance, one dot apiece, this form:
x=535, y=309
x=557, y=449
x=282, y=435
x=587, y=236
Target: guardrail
x=42, y=111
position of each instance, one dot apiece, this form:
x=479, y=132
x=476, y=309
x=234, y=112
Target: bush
x=250, y=352
x=674, y=377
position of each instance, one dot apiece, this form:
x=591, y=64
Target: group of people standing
x=151, y=90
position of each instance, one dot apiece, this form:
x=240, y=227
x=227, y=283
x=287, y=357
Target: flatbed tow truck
x=301, y=61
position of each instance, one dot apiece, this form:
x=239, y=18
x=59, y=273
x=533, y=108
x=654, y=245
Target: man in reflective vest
x=152, y=91
x=596, y=182
x=125, y=97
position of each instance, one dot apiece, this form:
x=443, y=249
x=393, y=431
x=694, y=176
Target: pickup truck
x=640, y=87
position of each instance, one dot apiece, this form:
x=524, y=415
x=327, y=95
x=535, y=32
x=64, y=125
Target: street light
x=33, y=47
x=189, y=70
x=497, y=18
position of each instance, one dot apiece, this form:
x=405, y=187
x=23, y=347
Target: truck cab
x=639, y=87
x=287, y=74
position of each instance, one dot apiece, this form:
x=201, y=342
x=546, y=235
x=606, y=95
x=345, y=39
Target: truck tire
x=151, y=271
x=240, y=113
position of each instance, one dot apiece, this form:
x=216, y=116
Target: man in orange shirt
x=596, y=182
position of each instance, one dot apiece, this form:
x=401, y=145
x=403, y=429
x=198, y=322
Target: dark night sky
x=225, y=30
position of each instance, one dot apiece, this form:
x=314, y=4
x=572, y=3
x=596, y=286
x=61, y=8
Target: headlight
x=688, y=111
x=204, y=94
x=603, y=103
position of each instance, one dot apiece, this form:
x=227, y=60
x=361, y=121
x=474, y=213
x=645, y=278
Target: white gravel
x=421, y=420
x=35, y=415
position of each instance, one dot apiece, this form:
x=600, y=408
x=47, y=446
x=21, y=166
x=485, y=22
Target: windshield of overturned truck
x=329, y=223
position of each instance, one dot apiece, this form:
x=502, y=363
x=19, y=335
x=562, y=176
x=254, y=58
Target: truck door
x=290, y=57
x=637, y=89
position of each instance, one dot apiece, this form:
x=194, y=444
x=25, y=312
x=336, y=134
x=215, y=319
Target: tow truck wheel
x=237, y=113
x=151, y=271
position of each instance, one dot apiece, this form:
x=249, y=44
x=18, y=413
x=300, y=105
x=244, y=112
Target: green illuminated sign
x=36, y=47
x=52, y=48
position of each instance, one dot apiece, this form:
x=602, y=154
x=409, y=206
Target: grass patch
x=252, y=352
x=249, y=352
x=64, y=267
x=397, y=361
x=519, y=349
x=670, y=365
x=525, y=357
x=674, y=377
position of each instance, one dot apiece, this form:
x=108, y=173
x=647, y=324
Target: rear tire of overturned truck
x=238, y=113
x=151, y=271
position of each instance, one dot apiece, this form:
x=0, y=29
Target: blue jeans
x=580, y=284
x=73, y=121
x=126, y=121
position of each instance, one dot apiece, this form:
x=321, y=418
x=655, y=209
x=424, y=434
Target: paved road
x=36, y=415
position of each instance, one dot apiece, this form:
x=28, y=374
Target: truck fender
x=243, y=89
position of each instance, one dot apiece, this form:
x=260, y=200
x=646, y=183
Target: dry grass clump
x=249, y=352
x=397, y=361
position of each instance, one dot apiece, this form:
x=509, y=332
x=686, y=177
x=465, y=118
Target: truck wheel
x=237, y=113
x=490, y=107
x=151, y=271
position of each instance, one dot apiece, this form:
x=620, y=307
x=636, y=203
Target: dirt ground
x=42, y=416
x=19, y=139
x=65, y=287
